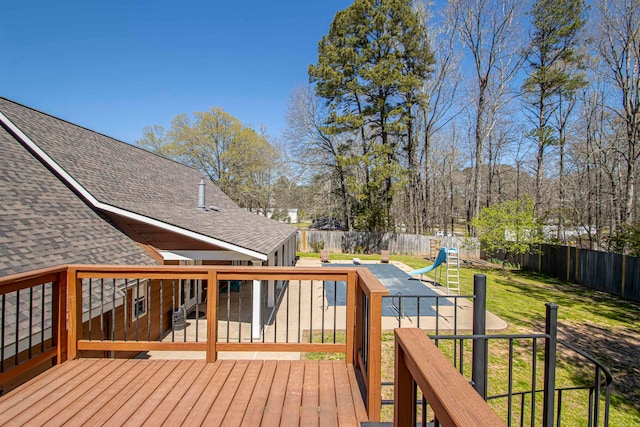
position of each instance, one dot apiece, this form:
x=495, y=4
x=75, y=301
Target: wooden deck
x=188, y=392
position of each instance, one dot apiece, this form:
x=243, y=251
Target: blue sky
x=117, y=66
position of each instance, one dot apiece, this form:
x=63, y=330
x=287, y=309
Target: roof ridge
x=102, y=134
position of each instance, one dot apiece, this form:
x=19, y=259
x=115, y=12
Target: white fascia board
x=118, y=211
x=204, y=256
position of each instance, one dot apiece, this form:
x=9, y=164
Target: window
x=139, y=299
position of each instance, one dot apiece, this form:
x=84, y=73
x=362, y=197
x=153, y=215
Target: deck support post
x=480, y=356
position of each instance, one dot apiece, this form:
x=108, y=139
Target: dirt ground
x=618, y=348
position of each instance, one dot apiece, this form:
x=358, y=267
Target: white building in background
x=291, y=213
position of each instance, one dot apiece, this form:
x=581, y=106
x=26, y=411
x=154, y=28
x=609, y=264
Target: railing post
x=374, y=368
x=351, y=321
x=480, y=348
x=551, y=329
x=74, y=299
x=404, y=396
x=212, y=316
x=60, y=316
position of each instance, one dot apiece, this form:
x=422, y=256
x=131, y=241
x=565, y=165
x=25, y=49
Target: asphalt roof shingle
x=130, y=178
x=44, y=224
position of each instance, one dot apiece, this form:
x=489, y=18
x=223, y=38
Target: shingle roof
x=127, y=177
x=44, y=224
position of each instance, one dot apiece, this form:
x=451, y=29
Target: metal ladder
x=453, y=270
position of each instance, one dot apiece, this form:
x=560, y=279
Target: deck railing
x=531, y=395
x=121, y=311
x=31, y=333
x=419, y=362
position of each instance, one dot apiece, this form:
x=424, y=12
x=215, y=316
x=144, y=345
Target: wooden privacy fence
x=354, y=242
x=613, y=273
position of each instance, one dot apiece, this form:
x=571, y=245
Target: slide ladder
x=453, y=270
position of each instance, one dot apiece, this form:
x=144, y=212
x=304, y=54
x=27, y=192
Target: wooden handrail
x=453, y=400
x=28, y=279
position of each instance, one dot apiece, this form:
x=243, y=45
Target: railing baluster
x=299, y=313
x=2, y=336
x=197, y=286
x=102, y=309
x=323, y=312
x=274, y=315
x=173, y=310
x=455, y=316
x=185, y=284
x=534, y=374
x=161, y=328
x=42, y=316
x=113, y=312
x=17, y=327
x=124, y=297
x=311, y=313
x=596, y=399
x=149, y=305
x=239, y=314
x=229, y=310
x=461, y=356
x=418, y=312
x=437, y=319
x=90, y=308
x=590, y=415
x=288, y=290
x=136, y=310
x=30, y=352
x=252, y=304
x=455, y=352
x=558, y=417
x=335, y=307
x=510, y=384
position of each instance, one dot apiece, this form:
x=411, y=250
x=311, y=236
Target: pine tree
x=370, y=67
x=554, y=61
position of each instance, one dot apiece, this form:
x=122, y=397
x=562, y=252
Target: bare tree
x=314, y=150
x=618, y=45
x=439, y=103
x=490, y=31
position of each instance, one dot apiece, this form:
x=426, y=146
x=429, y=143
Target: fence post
x=551, y=329
x=480, y=348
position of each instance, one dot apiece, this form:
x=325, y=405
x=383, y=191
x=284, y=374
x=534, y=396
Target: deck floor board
x=186, y=392
x=258, y=401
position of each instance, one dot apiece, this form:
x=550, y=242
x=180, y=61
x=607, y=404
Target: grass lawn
x=603, y=325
